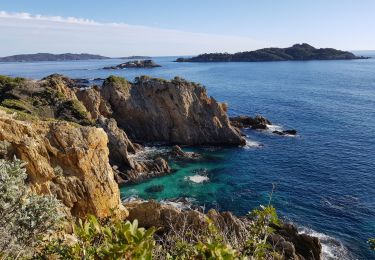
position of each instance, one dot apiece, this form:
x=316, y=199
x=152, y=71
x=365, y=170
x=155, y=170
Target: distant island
x=298, y=52
x=135, y=57
x=134, y=64
x=51, y=57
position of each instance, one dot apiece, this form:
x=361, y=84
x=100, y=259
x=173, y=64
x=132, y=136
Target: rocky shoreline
x=81, y=143
x=166, y=216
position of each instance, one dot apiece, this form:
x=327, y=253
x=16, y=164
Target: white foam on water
x=272, y=128
x=332, y=249
x=197, y=178
x=252, y=144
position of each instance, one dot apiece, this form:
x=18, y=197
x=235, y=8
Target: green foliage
x=20, y=105
x=260, y=228
x=24, y=217
x=8, y=83
x=213, y=247
x=118, y=82
x=100, y=240
x=371, y=242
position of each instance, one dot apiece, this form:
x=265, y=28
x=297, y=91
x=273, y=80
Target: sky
x=174, y=27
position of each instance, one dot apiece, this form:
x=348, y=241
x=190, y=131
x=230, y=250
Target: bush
x=24, y=217
x=100, y=240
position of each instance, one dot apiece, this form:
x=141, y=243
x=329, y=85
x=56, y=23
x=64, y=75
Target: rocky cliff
x=65, y=160
x=173, y=112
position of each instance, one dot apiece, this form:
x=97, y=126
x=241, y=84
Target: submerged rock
x=134, y=64
x=154, y=188
x=174, y=112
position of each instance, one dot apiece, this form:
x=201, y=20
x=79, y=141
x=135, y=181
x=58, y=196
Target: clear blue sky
x=345, y=24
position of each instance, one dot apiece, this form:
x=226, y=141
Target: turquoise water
x=324, y=177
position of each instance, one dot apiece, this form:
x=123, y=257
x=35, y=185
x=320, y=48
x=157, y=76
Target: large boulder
x=66, y=160
x=174, y=112
x=257, y=122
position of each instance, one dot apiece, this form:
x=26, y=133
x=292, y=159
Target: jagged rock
x=257, y=122
x=93, y=102
x=134, y=64
x=285, y=132
x=65, y=160
x=285, y=240
x=146, y=169
x=128, y=169
x=305, y=246
x=177, y=153
x=175, y=112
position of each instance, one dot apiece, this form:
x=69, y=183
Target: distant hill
x=51, y=57
x=136, y=57
x=297, y=52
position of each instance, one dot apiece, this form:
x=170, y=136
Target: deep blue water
x=324, y=177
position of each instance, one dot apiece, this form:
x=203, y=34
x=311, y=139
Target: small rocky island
x=134, y=64
x=51, y=57
x=298, y=52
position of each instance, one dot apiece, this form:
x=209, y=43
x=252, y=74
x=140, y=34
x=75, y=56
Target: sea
x=323, y=179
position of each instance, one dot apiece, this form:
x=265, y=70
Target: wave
x=332, y=249
x=252, y=144
x=272, y=128
x=197, y=178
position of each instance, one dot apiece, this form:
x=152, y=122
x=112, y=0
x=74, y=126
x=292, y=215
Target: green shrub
x=24, y=217
x=8, y=83
x=18, y=104
x=259, y=229
x=96, y=240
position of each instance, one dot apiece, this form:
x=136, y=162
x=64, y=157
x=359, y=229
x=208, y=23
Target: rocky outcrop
x=65, y=160
x=51, y=97
x=295, y=245
x=93, y=102
x=178, y=154
x=128, y=168
x=174, y=112
x=257, y=122
x=286, y=132
x=285, y=240
x=134, y=64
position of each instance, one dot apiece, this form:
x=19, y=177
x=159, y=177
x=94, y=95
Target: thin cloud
x=27, y=33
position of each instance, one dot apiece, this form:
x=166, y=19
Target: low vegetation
x=29, y=224
x=25, y=218
x=49, y=98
